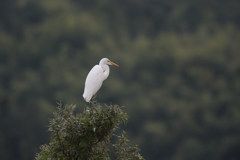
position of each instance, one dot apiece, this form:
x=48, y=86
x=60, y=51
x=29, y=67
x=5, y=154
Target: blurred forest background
x=179, y=74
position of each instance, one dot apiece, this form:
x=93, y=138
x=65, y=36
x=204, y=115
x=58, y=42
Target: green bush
x=88, y=135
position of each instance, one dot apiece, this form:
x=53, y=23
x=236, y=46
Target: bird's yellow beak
x=114, y=64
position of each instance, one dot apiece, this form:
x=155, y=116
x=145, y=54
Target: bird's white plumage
x=96, y=77
x=93, y=82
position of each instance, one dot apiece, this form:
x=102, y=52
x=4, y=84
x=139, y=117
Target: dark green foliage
x=179, y=74
x=87, y=135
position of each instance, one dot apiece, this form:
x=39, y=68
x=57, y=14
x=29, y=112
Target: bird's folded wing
x=94, y=81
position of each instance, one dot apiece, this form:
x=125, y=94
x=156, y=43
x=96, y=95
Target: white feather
x=96, y=77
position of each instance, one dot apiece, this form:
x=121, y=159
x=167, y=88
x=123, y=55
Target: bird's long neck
x=106, y=71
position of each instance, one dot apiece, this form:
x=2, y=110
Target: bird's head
x=108, y=62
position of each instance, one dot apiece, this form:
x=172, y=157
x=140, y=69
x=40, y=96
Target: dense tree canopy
x=88, y=135
x=179, y=74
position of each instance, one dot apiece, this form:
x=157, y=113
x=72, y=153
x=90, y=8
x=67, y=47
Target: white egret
x=96, y=77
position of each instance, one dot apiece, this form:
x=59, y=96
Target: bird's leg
x=93, y=102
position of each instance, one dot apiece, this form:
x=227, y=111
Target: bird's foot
x=93, y=101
